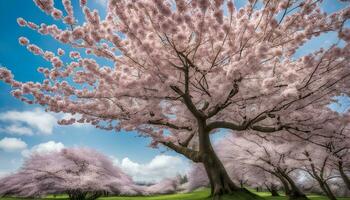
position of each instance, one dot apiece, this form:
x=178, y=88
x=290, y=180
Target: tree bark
x=220, y=182
x=273, y=190
x=241, y=183
x=343, y=175
x=285, y=184
x=295, y=192
x=324, y=186
x=330, y=194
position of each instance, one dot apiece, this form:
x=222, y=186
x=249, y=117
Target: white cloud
x=103, y=3
x=17, y=130
x=12, y=144
x=160, y=167
x=37, y=119
x=50, y=146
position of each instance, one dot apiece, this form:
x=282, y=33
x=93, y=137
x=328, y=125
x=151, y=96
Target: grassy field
x=197, y=195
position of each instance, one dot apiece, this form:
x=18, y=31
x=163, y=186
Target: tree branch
x=189, y=153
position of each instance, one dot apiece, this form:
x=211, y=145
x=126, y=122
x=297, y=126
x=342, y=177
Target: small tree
x=191, y=68
x=83, y=174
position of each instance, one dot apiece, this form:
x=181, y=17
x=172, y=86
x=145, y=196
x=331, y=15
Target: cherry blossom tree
x=261, y=179
x=237, y=168
x=242, y=172
x=184, y=69
x=165, y=186
x=274, y=157
x=339, y=150
x=197, y=177
x=334, y=146
x=83, y=174
x=316, y=162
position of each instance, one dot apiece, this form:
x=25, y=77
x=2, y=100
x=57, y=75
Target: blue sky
x=125, y=148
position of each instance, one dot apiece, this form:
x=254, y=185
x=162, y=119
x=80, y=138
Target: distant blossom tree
x=316, y=162
x=83, y=174
x=184, y=69
x=165, y=186
x=238, y=167
x=338, y=147
x=273, y=157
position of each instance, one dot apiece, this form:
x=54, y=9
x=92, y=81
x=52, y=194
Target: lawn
x=197, y=195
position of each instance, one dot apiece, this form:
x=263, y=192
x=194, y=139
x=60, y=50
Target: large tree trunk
x=325, y=187
x=285, y=184
x=273, y=190
x=343, y=175
x=295, y=192
x=330, y=194
x=220, y=182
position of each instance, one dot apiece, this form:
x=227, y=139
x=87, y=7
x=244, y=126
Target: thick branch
x=189, y=153
x=266, y=129
x=188, y=102
x=170, y=125
x=228, y=125
x=226, y=103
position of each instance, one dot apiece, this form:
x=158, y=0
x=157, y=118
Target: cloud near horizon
x=12, y=144
x=26, y=122
x=50, y=146
x=160, y=167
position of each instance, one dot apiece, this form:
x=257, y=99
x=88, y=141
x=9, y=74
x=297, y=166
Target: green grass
x=197, y=195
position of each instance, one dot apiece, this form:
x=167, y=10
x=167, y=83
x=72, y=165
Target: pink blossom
x=21, y=21
x=23, y=41
x=219, y=16
x=181, y=5
x=57, y=14
x=290, y=92
x=65, y=36
x=69, y=20
x=17, y=93
x=345, y=34
x=230, y=6
x=6, y=75
x=163, y=9
x=74, y=54
x=35, y=49
x=83, y=2
x=45, y=5
x=48, y=55
x=60, y=52
x=32, y=25
x=57, y=62
x=78, y=33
